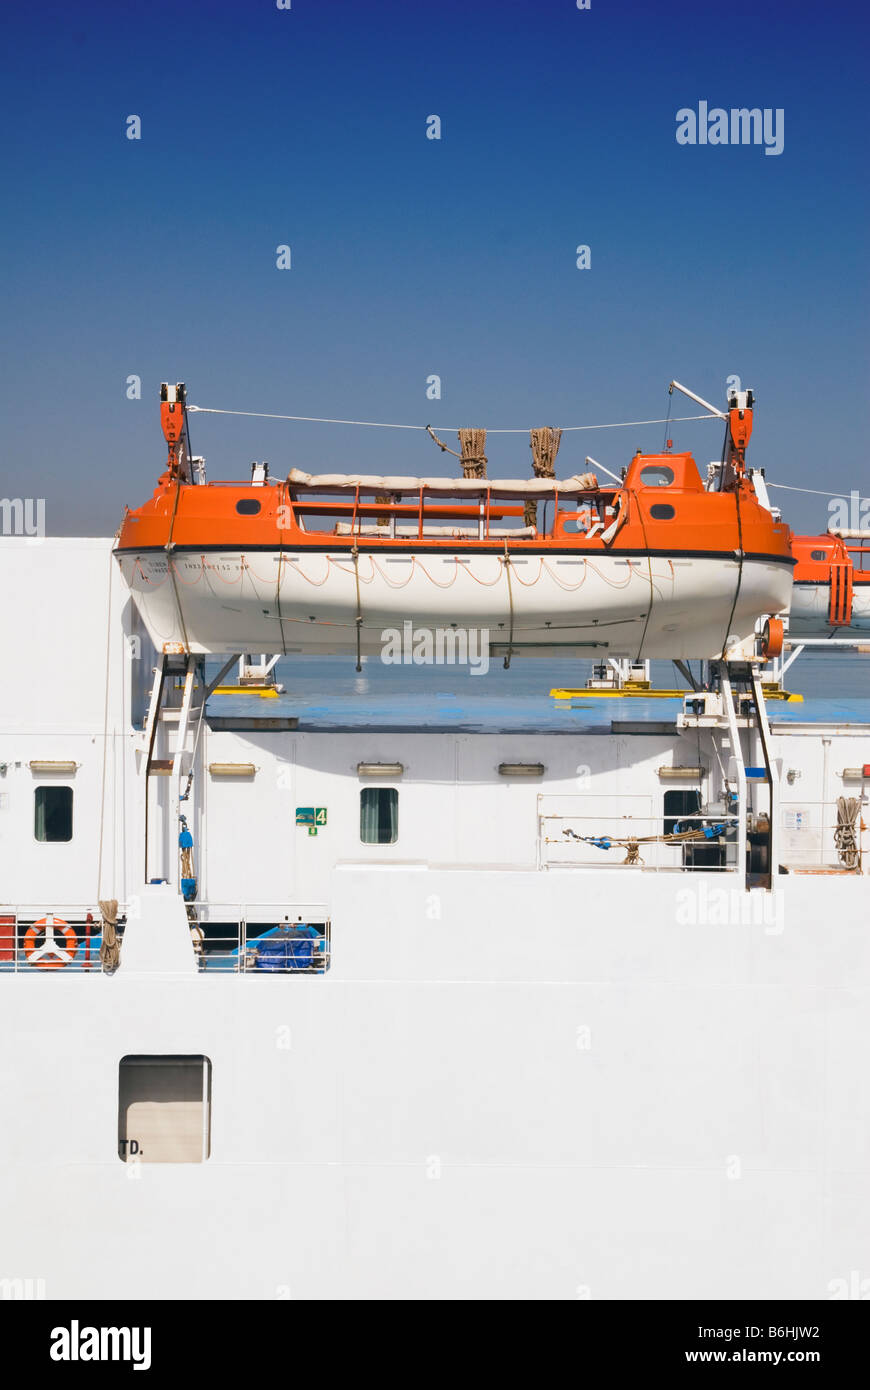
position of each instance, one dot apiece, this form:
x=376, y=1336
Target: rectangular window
x=681, y=803
x=379, y=815
x=53, y=810
x=164, y=1109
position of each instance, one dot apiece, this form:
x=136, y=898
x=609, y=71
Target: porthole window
x=379, y=815
x=818, y=554
x=247, y=506
x=53, y=812
x=657, y=475
x=662, y=511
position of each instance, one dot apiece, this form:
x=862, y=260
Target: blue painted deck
x=328, y=693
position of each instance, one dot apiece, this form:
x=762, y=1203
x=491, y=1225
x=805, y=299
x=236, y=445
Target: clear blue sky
x=413, y=256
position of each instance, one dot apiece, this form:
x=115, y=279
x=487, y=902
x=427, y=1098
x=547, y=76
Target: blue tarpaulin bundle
x=287, y=948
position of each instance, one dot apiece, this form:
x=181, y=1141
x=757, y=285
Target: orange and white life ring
x=55, y=951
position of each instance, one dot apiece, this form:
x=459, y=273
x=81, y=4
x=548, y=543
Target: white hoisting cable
x=389, y=425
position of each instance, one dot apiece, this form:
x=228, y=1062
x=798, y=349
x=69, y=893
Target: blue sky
x=413, y=257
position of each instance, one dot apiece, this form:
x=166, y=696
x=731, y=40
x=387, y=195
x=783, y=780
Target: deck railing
x=810, y=838
x=234, y=938
x=261, y=938
x=602, y=839
x=35, y=941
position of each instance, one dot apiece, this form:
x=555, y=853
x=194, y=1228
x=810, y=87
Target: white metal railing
x=261, y=938
x=235, y=938
x=68, y=938
x=809, y=834
x=606, y=840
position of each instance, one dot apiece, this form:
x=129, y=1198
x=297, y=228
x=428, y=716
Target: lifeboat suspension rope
x=105, y=735
x=739, y=574
x=358, y=607
x=507, y=566
x=649, y=576
x=389, y=425
x=170, y=567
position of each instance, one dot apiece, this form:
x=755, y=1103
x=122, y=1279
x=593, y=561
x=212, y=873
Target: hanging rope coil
x=846, y=832
x=544, y=446
x=110, y=950
x=472, y=443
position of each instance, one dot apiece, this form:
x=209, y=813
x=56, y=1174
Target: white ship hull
x=525, y=1099
x=309, y=602
x=531, y=1070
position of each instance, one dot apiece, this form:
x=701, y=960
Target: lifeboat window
x=577, y=521
x=247, y=506
x=662, y=511
x=164, y=1109
x=379, y=815
x=818, y=554
x=657, y=475
x=53, y=811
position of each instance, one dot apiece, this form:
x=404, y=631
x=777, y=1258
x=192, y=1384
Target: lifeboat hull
x=831, y=593
x=309, y=602
x=811, y=606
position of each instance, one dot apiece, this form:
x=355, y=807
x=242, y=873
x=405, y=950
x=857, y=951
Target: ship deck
x=327, y=693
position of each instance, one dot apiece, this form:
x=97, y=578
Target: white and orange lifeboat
x=831, y=595
x=654, y=566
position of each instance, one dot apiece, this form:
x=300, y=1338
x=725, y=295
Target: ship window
x=657, y=475
x=662, y=511
x=247, y=506
x=379, y=815
x=681, y=803
x=52, y=821
x=818, y=554
x=164, y=1109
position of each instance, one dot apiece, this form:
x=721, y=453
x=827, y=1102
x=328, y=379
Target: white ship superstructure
x=575, y=1014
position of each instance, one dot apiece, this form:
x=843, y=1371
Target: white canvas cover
x=452, y=487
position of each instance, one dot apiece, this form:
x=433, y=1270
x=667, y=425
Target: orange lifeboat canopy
x=676, y=471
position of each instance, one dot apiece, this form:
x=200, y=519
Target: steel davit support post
x=771, y=771
x=178, y=768
x=152, y=723
x=734, y=732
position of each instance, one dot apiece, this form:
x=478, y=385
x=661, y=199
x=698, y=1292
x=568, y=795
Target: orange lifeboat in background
x=831, y=584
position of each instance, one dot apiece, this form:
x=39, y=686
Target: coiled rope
x=846, y=832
